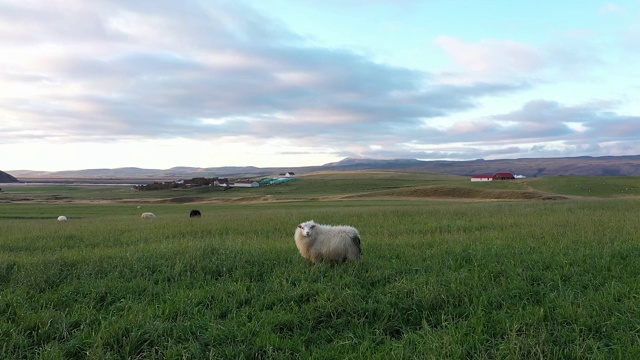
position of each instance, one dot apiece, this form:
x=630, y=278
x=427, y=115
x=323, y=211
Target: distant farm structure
x=482, y=177
x=503, y=176
x=223, y=182
x=496, y=176
x=246, y=183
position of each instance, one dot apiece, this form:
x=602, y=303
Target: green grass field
x=484, y=276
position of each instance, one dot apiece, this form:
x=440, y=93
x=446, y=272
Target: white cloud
x=166, y=75
x=492, y=59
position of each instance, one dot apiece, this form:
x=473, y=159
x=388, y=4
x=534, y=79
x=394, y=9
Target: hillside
x=6, y=178
x=529, y=167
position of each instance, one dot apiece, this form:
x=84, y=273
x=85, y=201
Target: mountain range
x=529, y=167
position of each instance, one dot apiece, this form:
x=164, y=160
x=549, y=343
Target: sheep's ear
x=299, y=226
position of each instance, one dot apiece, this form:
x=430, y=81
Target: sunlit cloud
x=252, y=83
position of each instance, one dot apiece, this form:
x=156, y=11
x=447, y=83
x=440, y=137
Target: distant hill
x=6, y=178
x=530, y=167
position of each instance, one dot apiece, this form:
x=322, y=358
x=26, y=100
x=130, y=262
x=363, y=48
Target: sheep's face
x=307, y=228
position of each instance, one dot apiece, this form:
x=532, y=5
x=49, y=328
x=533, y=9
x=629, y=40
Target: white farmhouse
x=482, y=177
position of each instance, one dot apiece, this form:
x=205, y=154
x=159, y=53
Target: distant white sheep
x=148, y=215
x=319, y=243
x=62, y=218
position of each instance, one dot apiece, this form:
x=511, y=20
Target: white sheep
x=318, y=242
x=62, y=218
x=148, y=215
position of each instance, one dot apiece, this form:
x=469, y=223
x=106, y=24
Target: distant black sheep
x=195, y=213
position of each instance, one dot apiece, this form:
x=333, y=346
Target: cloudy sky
x=163, y=83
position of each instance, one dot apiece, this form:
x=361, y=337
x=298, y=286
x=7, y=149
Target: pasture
x=451, y=269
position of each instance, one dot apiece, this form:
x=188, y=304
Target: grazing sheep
x=148, y=215
x=195, y=213
x=318, y=242
x=62, y=218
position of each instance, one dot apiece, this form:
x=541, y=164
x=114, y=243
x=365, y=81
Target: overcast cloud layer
x=117, y=81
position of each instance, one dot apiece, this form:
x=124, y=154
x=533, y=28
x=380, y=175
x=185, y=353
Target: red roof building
x=503, y=176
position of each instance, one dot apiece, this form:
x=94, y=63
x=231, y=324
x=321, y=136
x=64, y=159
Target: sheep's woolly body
x=148, y=215
x=318, y=242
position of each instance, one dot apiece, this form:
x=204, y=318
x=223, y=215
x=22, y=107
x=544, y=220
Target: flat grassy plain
x=451, y=269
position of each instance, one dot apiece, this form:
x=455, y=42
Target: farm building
x=503, y=176
x=238, y=183
x=287, y=174
x=482, y=177
x=245, y=183
x=496, y=176
x=221, y=182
